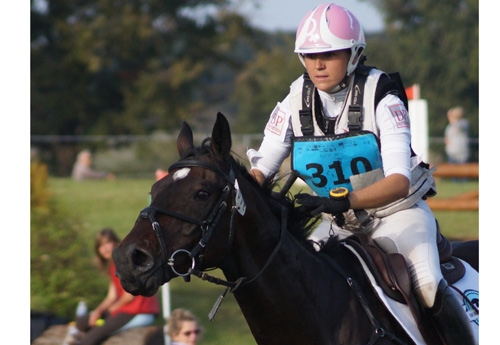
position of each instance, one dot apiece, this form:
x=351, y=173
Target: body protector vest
x=345, y=151
x=327, y=152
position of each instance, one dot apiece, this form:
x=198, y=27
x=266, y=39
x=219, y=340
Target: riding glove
x=319, y=204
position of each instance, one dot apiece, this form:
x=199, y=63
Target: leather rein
x=207, y=227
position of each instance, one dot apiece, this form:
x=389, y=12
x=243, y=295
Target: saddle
x=391, y=273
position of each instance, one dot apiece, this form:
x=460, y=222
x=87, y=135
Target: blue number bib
x=327, y=162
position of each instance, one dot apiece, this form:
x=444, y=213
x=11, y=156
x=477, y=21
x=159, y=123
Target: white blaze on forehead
x=181, y=173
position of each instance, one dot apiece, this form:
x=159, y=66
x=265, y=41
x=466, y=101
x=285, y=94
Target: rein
x=207, y=227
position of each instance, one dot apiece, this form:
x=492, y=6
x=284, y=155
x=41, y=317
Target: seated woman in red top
x=119, y=310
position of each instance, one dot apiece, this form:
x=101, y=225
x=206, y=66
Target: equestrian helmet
x=330, y=27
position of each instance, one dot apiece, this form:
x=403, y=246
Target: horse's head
x=175, y=232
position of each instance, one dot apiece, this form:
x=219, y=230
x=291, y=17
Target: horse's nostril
x=141, y=260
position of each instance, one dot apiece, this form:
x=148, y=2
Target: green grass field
x=117, y=203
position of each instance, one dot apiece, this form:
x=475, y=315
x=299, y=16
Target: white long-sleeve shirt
x=392, y=126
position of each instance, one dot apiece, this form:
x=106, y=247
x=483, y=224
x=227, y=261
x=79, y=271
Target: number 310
x=337, y=166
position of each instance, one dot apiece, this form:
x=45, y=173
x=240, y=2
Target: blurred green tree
x=434, y=44
x=124, y=67
x=60, y=259
x=264, y=81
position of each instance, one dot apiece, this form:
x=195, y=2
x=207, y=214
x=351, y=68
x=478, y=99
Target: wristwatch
x=339, y=193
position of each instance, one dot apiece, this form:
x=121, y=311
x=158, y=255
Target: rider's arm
x=274, y=147
x=380, y=193
x=395, y=137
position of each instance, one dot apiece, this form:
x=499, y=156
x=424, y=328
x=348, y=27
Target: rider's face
x=327, y=70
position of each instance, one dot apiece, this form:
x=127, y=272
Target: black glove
x=318, y=204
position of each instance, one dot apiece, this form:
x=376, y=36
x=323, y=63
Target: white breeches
x=410, y=232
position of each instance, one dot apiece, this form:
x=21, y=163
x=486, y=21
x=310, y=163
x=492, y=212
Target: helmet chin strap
x=354, y=61
x=342, y=86
x=356, y=58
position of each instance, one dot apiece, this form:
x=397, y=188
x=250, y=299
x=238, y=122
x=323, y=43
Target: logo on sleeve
x=400, y=115
x=276, y=123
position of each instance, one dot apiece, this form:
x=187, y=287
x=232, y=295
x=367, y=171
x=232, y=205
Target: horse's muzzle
x=136, y=269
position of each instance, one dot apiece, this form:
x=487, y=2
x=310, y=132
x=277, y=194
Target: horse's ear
x=185, y=140
x=221, y=136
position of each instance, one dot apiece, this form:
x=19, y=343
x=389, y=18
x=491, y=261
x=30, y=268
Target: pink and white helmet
x=330, y=27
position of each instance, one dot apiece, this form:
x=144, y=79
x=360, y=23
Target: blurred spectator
x=182, y=328
x=82, y=170
x=119, y=310
x=456, y=137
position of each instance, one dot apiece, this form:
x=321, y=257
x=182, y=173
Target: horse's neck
x=257, y=231
x=261, y=237
x=281, y=281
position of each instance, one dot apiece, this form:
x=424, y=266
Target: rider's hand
x=318, y=204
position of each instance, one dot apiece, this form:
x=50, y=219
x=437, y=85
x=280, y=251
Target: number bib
x=329, y=161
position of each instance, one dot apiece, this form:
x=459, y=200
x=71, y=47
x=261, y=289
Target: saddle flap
x=391, y=273
x=401, y=275
x=382, y=269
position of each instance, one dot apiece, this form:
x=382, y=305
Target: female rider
x=364, y=148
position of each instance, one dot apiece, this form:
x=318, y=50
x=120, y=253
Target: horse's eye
x=202, y=195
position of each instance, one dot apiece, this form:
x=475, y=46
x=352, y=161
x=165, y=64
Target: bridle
x=207, y=226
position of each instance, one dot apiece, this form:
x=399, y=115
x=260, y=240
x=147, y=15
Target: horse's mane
x=300, y=224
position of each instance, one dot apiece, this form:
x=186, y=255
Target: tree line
x=133, y=67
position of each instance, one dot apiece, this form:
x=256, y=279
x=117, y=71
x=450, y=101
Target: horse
x=208, y=212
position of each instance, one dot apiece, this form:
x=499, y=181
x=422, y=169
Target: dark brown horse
x=208, y=212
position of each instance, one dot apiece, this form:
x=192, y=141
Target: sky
x=287, y=14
